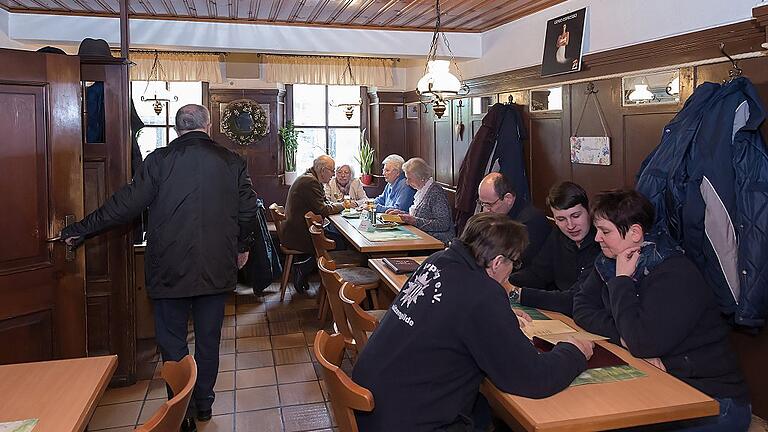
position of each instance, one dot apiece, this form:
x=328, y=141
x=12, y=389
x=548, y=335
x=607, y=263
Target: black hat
x=94, y=48
x=51, y=50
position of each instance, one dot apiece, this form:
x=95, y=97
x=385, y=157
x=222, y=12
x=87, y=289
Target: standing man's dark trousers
x=171, y=317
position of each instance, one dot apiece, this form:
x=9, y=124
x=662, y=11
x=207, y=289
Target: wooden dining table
x=655, y=398
x=349, y=229
x=61, y=394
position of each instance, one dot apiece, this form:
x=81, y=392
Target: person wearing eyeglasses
x=496, y=194
x=449, y=328
x=566, y=257
x=307, y=194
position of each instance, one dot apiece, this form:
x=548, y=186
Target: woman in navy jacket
x=646, y=295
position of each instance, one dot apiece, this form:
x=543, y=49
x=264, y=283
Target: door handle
x=69, y=255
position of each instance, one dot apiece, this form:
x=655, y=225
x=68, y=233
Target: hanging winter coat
x=500, y=137
x=263, y=266
x=708, y=180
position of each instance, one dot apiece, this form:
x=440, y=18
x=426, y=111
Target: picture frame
x=564, y=44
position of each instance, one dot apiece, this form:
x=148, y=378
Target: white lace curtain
x=375, y=72
x=176, y=67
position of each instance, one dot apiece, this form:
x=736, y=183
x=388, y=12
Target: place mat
x=607, y=374
x=18, y=426
x=534, y=313
x=383, y=235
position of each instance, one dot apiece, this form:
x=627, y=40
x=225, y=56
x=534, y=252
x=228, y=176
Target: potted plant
x=290, y=137
x=365, y=158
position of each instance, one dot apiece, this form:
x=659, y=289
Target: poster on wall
x=563, y=44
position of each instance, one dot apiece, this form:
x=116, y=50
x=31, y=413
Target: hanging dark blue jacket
x=708, y=180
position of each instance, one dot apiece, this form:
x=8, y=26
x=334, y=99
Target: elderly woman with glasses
x=344, y=184
x=430, y=211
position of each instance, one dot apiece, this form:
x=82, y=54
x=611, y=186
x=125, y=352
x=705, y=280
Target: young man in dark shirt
x=566, y=257
x=496, y=194
x=646, y=295
x=449, y=328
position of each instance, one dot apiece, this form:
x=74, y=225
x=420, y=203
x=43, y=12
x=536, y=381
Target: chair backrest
x=321, y=243
x=346, y=395
x=181, y=377
x=313, y=218
x=360, y=321
x=332, y=283
x=278, y=217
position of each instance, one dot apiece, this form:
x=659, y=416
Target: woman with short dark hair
x=646, y=295
x=449, y=328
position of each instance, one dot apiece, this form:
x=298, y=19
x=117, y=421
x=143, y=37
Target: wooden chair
x=361, y=322
x=342, y=258
x=333, y=279
x=181, y=377
x=278, y=217
x=346, y=396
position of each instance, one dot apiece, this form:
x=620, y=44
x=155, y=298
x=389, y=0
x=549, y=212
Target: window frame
x=291, y=114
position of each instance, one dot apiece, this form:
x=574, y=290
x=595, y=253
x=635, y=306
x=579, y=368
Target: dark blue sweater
x=449, y=328
x=670, y=314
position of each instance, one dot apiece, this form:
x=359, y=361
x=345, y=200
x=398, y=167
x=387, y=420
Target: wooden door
x=42, y=290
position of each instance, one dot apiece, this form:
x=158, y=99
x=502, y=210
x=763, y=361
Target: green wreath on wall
x=244, y=122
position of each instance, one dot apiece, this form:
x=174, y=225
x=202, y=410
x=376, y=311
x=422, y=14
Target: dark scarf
x=655, y=249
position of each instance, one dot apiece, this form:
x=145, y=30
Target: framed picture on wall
x=412, y=111
x=563, y=44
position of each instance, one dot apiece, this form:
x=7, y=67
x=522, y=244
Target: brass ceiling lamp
x=159, y=96
x=438, y=82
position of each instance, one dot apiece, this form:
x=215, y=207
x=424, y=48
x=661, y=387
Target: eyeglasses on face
x=487, y=205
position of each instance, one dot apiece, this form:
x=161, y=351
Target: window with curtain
x=158, y=130
x=325, y=128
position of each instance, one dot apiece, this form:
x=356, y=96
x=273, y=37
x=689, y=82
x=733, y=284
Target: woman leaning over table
x=344, y=183
x=430, y=211
x=645, y=294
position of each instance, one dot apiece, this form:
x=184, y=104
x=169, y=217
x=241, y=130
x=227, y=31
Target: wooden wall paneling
x=443, y=139
x=413, y=131
x=462, y=115
x=109, y=256
x=547, y=162
x=264, y=158
x=595, y=178
x=427, y=135
x=387, y=126
x=642, y=132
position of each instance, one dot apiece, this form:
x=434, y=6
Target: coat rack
x=735, y=70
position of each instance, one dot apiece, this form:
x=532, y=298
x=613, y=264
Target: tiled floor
x=267, y=379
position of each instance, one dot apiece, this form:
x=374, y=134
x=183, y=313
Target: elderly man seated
x=449, y=328
x=496, y=194
x=307, y=194
x=397, y=194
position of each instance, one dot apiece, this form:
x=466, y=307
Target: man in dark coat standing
x=202, y=218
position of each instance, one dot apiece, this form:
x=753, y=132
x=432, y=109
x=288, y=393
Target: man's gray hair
x=418, y=167
x=192, y=117
x=394, y=159
x=323, y=161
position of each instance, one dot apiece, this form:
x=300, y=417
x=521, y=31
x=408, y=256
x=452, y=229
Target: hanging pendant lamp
x=438, y=82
